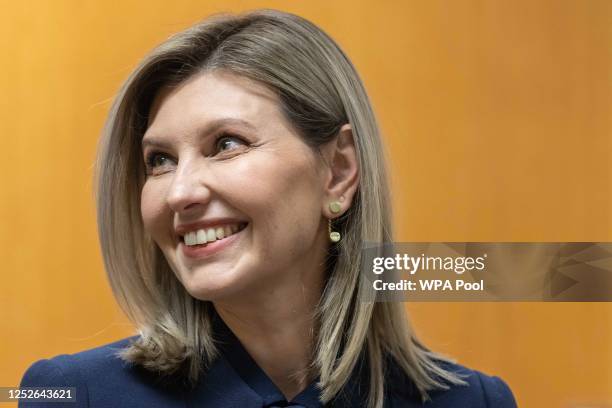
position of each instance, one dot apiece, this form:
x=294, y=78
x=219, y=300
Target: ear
x=342, y=172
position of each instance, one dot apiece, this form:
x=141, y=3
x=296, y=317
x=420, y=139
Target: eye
x=227, y=142
x=155, y=160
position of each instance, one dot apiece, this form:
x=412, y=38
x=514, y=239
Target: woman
x=240, y=171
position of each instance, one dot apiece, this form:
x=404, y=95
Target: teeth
x=219, y=232
x=205, y=235
x=190, y=238
x=201, y=236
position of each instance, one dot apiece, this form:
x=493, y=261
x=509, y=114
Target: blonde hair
x=319, y=90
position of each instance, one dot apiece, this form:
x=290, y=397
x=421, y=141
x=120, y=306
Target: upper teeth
x=205, y=235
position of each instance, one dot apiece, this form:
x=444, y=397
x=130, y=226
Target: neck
x=277, y=329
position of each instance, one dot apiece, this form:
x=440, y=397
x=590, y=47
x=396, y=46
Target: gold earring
x=334, y=236
x=334, y=207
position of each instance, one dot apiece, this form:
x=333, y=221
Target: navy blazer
x=234, y=380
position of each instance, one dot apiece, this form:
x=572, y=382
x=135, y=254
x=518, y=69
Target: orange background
x=496, y=114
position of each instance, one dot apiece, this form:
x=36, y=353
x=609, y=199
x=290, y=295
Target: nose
x=189, y=189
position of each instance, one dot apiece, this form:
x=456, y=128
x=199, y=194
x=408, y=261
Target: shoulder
x=99, y=377
x=481, y=390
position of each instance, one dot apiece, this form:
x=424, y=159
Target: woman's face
x=225, y=167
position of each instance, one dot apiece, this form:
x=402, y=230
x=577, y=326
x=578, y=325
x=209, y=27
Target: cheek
x=282, y=196
x=152, y=208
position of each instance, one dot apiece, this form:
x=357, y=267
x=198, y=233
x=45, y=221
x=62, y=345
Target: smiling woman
x=231, y=158
x=239, y=174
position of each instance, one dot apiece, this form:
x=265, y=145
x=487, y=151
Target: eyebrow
x=211, y=127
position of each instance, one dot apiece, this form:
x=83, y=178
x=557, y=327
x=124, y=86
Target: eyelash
x=151, y=156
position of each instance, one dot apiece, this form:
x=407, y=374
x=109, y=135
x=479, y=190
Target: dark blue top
x=234, y=381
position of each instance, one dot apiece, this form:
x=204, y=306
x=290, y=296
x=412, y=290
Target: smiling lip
x=205, y=251
x=210, y=223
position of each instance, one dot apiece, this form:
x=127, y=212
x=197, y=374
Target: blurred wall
x=496, y=115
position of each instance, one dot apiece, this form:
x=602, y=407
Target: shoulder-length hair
x=319, y=91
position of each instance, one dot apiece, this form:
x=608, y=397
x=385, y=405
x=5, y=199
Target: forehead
x=210, y=96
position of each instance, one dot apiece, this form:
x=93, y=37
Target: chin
x=216, y=288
